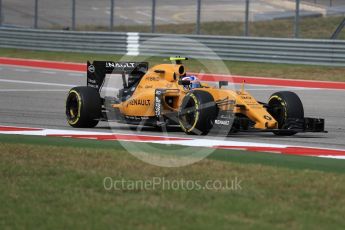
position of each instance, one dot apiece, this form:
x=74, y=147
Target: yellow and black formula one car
x=164, y=95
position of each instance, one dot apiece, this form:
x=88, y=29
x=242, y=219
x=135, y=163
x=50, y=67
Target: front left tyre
x=283, y=106
x=83, y=107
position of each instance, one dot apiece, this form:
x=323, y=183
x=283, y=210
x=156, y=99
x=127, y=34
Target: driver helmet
x=194, y=82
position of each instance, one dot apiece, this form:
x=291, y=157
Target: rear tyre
x=83, y=107
x=283, y=106
x=197, y=113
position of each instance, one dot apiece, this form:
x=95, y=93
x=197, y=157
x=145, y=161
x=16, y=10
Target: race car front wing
x=297, y=125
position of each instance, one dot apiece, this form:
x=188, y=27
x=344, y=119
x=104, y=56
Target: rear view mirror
x=184, y=82
x=223, y=83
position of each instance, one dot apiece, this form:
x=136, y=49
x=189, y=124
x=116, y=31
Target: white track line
x=35, y=83
x=22, y=70
x=76, y=74
x=48, y=72
x=190, y=142
x=42, y=68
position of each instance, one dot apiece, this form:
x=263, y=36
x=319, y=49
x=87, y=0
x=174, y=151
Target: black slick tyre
x=197, y=113
x=83, y=107
x=285, y=105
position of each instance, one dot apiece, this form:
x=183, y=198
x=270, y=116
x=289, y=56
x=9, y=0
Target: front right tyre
x=197, y=113
x=83, y=107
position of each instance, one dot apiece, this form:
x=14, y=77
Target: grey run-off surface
x=58, y=14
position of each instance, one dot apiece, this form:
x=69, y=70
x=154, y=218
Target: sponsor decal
x=148, y=86
x=141, y=102
x=92, y=81
x=120, y=65
x=228, y=116
x=268, y=118
x=93, y=86
x=91, y=68
x=158, y=105
x=158, y=92
x=222, y=122
x=152, y=78
x=246, y=97
x=255, y=106
x=136, y=118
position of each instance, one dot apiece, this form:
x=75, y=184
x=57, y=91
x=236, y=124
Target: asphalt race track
x=36, y=98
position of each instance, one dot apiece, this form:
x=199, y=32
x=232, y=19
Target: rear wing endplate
x=97, y=70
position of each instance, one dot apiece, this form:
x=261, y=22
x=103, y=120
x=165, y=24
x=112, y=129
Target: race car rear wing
x=97, y=70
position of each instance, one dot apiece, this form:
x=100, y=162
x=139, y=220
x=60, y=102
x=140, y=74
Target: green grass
x=308, y=72
x=58, y=183
x=312, y=27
